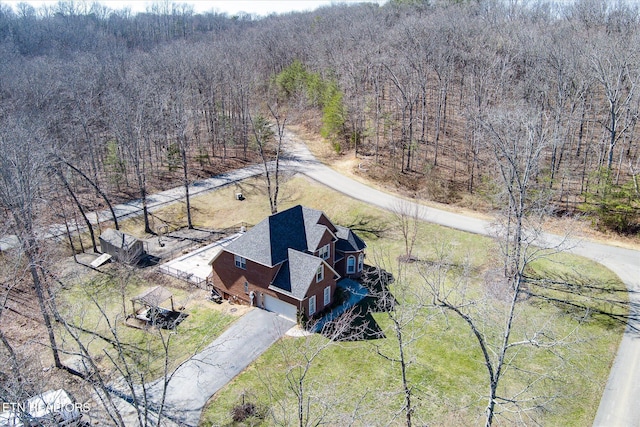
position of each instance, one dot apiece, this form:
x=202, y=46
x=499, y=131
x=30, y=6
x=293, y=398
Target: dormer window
x=240, y=262
x=325, y=252
x=320, y=273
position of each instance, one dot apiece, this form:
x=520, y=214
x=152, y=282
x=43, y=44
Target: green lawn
x=96, y=305
x=350, y=380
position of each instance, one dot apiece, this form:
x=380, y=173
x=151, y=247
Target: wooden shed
x=122, y=247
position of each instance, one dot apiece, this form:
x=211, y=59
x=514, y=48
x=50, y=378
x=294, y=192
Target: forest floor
x=361, y=168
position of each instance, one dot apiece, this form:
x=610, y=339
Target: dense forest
x=126, y=104
x=485, y=104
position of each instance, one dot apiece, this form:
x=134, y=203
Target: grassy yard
x=350, y=380
x=100, y=304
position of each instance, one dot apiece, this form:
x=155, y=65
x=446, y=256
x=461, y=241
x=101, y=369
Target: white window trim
x=360, y=262
x=327, y=295
x=320, y=273
x=240, y=262
x=351, y=268
x=325, y=252
x=312, y=305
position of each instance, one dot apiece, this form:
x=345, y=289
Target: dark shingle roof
x=296, y=274
x=348, y=241
x=289, y=239
x=268, y=242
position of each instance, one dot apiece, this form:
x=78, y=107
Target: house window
x=327, y=295
x=320, y=273
x=240, y=262
x=351, y=264
x=246, y=287
x=325, y=252
x=360, y=262
x=312, y=305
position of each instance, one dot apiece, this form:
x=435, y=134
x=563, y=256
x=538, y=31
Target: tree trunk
x=100, y=192
x=30, y=249
x=80, y=208
x=186, y=185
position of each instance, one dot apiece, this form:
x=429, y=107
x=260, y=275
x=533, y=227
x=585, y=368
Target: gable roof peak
x=298, y=228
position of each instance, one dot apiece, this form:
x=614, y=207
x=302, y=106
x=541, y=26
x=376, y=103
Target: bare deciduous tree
x=128, y=377
x=405, y=310
x=312, y=400
x=22, y=171
x=408, y=215
x=517, y=141
x=616, y=71
x=269, y=142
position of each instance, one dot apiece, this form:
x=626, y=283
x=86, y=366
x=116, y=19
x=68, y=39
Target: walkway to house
x=357, y=293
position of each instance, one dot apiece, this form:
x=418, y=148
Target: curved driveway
x=619, y=404
x=199, y=378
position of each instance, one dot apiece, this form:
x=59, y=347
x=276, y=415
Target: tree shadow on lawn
x=362, y=324
x=605, y=302
x=368, y=225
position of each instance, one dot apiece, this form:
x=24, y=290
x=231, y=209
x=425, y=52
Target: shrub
x=612, y=206
x=242, y=412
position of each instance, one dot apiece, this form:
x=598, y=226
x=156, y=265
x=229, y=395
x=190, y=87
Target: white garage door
x=283, y=308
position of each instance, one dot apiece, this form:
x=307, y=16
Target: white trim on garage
x=284, y=309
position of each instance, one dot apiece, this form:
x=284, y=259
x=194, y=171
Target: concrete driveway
x=196, y=380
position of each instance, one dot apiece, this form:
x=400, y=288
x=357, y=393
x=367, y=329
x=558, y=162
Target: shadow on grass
x=369, y=226
x=362, y=324
x=605, y=302
x=148, y=261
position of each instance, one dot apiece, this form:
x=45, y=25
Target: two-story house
x=288, y=263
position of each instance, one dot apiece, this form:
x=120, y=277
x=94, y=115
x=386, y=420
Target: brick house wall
x=341, y=266
x=327, y=238
x=229, y=279
x=317, y=289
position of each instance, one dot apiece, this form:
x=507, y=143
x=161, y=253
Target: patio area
x=194, y=267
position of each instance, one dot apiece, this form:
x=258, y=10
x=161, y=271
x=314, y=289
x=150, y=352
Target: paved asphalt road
x=618, y=406
x=154, y=202
x=196, y=380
